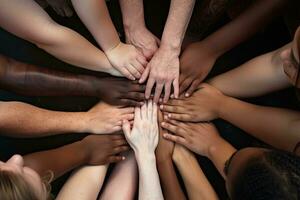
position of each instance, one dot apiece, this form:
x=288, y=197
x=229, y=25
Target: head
x=18, y=182
x=291, y=60
x=263, y=174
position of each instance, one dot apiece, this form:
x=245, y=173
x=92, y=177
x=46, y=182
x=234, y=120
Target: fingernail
x=161, y=107
x=163, y=123
x=172, y=96
x=187, y=95
x=123, y=158
x=160, y=100
x=169, y=115
x=166, y=117
x=165, y=135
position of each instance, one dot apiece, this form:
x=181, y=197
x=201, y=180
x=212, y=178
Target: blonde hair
x=14, y=187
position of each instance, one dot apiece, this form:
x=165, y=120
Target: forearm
x=133, y=14
x=94, y=14
x=149, y=185
x=244, y=26
x=169, y=182
x=33, y=24
x=75, y=188
x=261, y=75
x=176, y=25
x=59, y=160
x=23, y=120
x=196, y=183
x=275, y=126
x=32, y=80
x=123, y=179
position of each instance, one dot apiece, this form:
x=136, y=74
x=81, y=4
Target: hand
x=203, y=105
x=165, y=147
x=103, y=149
x=143, y=138
x=164, y=71
x=198, y=137
x=104, y=118
x=195, y=63
x=128, y=60
x=143, y=40
x=61, y=7
x=121, y=91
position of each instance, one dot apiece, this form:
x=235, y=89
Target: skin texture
x=163, y=69
x=136, y=31
x=23, y=120
x=33, y=24
x=92, y=150
x=77, y=189
x=198, y=58
x=164, y=151
x=123, y=57
x=143, y=139
x=33, y=80
x=195, y=181
x=123, y=179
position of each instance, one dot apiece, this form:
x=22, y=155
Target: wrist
x=222, y=109
x=220, y=145
x=171, y=48
x=145, y=157
x=162, y=160
x=82, y=151
x=213, y=46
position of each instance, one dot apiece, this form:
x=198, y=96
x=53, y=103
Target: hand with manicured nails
x=143, y=40
x=196, y=62
x=103, y=149
x=121, y=91
x=128, y=60
x=104, y=118
x=165, y=147
x=144, y=135
x=203, y=105
x=198, y=137
x=163, y=72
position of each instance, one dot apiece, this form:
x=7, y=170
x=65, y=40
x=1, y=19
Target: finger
x=127, y=110
x=138, y=66
x=176, y=88
x=142, y=60
x=68, y=11
x=113, y=159
x=171, y=108
x=132, y=69
x=154, y=113
x=157, y=41
x=192, y=88
x=129, y=102
x=145, y=74
x=138, y=96
x=120, y=149
x=138, y=88
x=167, y=91
x=126, y=128
x=126, y=73
x=117, y=128
x=149, y=87
x=117, y=137
x=137, y=113
x=175, y=138
x=173, y=128
x=158, y=90
x=150, y=110
x=179, y=117
x=144, y=111
x=184, y=85
x=128, y=117
x=121, y=142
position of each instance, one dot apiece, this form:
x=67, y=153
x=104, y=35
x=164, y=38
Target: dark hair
x=273, y=176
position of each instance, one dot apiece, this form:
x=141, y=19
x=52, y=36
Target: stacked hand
x=127, y=59
x=143, y=138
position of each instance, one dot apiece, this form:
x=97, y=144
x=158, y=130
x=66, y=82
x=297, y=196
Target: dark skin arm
x=92, y=150
x=32, y=80
x=169, y=182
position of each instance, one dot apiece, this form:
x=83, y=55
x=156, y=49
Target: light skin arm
x=235, y=32
x=77, y=188
x=163, y=69
x=125, y=58
x=261, y=75
x=196, y=183
x=24, y=120
x=33, y=80
x=123, y=179
x=143, y=138
x=92, y=150
x=32, y=23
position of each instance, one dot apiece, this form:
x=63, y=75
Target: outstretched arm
x=196, y=183
x=33, y=24
x=84, y=184
x=258, y=76
x=92, y=150
x=123, y=179
x=125, y=58
x=32, y=80
x=143, y=138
